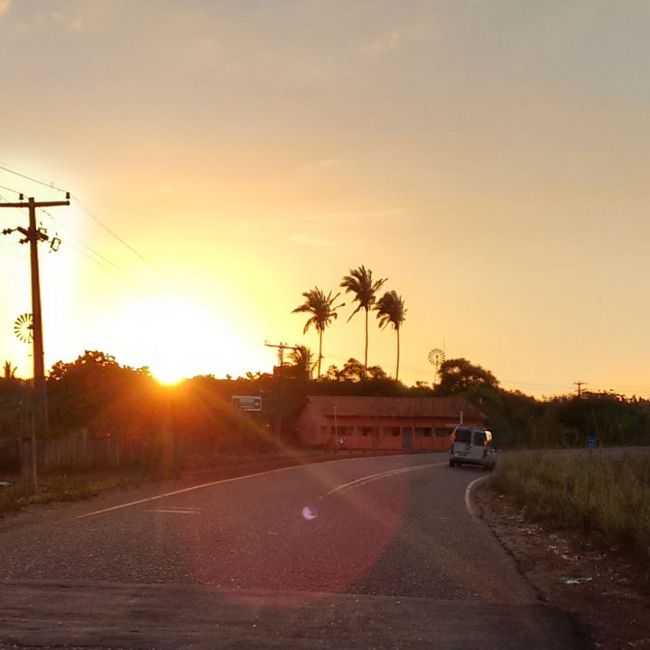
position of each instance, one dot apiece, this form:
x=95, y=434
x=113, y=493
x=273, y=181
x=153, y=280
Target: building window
x=368, y=431
x=346, y=431
x=394, y=431
x=424, y=432
x=443, y=432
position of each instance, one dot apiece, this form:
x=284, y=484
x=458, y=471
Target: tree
x=323, y=311
x=376, y=373
x=391, y=309
x=352, y=371
x=98, y=393
x=459, y=376
x=303, y=359
x=90, y=359
x=360, y=283
x=9, y=370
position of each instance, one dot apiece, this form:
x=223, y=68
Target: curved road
x=357, y=553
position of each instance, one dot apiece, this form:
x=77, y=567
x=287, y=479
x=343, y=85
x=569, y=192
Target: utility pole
x=32, y=235
x=280, y=386
x=579, y=385
x=281, y=347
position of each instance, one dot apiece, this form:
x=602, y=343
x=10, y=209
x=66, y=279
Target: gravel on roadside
x=596, y=582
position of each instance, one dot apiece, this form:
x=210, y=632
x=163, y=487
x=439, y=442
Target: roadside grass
x=595, y=493
x=72, y=486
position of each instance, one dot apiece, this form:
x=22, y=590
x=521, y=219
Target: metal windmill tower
x=436, y=359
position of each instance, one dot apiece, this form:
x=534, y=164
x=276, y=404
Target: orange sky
x=490, y=159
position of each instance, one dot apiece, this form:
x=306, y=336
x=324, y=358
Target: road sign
x=249, y=403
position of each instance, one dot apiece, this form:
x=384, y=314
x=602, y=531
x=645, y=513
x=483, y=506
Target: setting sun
x=177, y=339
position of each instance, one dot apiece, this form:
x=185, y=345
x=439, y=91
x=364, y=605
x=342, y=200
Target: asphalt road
x=364, y=553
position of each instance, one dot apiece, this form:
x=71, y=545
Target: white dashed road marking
x=356, y=483
x=380, y=475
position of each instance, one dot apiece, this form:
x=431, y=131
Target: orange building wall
x=310, y=429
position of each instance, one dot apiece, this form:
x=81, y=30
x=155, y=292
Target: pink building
x=409, y=423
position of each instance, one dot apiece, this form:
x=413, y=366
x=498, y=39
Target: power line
x=113, y=234
x=90, y=252
x=51, y=186
x=88, y=212
x=9, y=189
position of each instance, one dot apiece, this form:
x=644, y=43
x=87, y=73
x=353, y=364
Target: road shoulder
x=597, y=584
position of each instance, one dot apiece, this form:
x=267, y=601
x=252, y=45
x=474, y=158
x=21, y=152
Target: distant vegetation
x=98, y=394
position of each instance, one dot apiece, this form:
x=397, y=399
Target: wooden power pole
x=579, y=385
x=32, y=235
x=281, y=347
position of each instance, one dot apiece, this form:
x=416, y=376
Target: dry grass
x=67, y=487
x=594, y=492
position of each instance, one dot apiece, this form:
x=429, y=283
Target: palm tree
x=390, y=309
x=360, y=283
x=9, y=371
x=303, y=358
x=323, y=312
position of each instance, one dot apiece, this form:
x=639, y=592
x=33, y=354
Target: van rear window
x=463, y=435
x=479, y=439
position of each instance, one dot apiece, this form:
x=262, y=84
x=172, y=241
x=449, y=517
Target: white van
x=472, y=446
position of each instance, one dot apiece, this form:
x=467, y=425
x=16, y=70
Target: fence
x=82, y=451
x=77, y=450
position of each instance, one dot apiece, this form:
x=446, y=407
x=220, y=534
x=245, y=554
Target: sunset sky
x=490, y=158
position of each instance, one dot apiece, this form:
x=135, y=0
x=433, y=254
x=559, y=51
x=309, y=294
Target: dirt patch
x=604, y=587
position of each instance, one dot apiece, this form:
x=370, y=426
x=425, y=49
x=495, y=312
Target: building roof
x=405, y=407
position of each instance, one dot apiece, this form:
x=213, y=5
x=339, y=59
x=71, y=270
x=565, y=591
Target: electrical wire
x=52, y=186
x=88, y=212
x=112, y=233
x=90, y=252
x=9, y=189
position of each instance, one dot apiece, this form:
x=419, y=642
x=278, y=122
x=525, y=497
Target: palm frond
x=391, y=309
x=359, y=282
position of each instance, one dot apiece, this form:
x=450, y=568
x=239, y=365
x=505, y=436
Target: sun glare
x=177, y=339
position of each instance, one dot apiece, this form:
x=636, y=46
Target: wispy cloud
x=383, y=43
x=70, y=22
x=305, y=239
x=4, y=7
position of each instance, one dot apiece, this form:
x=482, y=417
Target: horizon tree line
x=390, y=309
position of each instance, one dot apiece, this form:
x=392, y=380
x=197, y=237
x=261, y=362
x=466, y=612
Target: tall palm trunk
x=397, y=367
x=365, y=357
x=320, y=350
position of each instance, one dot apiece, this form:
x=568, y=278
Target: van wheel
x=452, y=463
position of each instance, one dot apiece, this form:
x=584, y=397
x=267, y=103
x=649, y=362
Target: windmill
x=24, y=328
x=436, y=359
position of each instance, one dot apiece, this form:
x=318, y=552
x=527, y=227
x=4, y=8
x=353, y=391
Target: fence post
x=28, y=464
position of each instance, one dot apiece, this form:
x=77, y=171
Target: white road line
x=468, y=495
x=172, y=511
x=376, y=477
x=202, y=486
